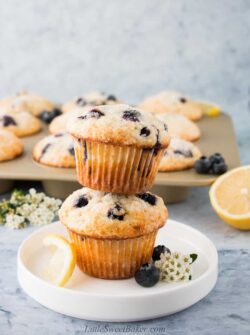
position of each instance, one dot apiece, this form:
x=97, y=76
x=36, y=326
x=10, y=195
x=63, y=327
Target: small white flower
x=174, y=267
x=15, y=221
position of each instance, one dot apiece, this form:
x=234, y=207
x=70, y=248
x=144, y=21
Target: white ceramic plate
x=120, y=300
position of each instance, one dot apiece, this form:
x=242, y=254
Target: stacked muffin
x=113, y=220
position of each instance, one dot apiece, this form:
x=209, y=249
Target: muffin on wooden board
x=113, y=234
x=118, y=148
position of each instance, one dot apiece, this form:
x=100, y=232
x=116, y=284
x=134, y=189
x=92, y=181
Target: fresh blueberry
x=219, y=168
x=145, y=132
x=202, y=165
x=116, y=213
x=131, y=115
x=8, y=121
x=48, y=116
x=216, y=158
x=160, y=249
x=82, y=201
x=148, y=275
x=81, y=102
x=165, y=127
x=111, y=97
x=92, y=114
x=183, y=100
x=148, y=197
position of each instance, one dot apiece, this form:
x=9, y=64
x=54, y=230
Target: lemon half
x=230, y=197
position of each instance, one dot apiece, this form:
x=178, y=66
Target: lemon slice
x=61, y=264
x=230, y=197
x=210, y=109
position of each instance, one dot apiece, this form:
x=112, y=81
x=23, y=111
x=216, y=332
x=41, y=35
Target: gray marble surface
x=134, y=48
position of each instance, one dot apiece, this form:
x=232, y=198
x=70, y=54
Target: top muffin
x=120, y=124
x=90, y=99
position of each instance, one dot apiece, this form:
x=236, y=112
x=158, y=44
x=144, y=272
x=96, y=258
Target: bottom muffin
x=113, y=234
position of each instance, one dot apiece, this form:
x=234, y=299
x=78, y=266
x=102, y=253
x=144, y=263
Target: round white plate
x=119, y=300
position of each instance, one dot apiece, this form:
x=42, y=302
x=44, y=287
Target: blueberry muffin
x=59, y=124
x=113, y=234
x=32, y=103
x=10, y=146
x=90, y=99
x=172, y=102
x=21, y=124
x=180, y=155
x=180, y=126
x=55, y=150
x=118, y=148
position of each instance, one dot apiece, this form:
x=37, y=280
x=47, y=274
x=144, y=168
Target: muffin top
x=180, y=126
x=10, y=145
x=59, y=124
x=90, y=99
x=179, y=155
x=24, y=101
x=112, y=216
x=171, y=101
x=20, y=124
x=55, y=150
x=120, y=125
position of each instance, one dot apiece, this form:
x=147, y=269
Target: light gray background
x=130, y=48
x=134, y=48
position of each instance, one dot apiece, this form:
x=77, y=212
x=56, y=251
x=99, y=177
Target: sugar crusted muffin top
x=55, y=150
x=180, y=126
x=179, y=155
x=24, y=101
x=20, y=123
x=90, y=99
x=120, y=125
x=112, y=216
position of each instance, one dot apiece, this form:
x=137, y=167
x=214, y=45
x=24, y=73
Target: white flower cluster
x=174, y=267
x=33, y=208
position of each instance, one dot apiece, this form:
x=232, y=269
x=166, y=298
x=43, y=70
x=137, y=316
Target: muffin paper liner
x=112, y=259
x=113, y=168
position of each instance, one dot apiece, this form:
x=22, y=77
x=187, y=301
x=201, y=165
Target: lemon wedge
x=230, y=197
x=62, y=262
x=210, y=109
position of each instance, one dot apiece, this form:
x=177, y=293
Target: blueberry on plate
x=216, y=158
x=148, y=275
x=219, y=168
x=202, y=165
x=160, y=249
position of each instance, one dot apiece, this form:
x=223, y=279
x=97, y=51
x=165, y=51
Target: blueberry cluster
x=215, y=164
